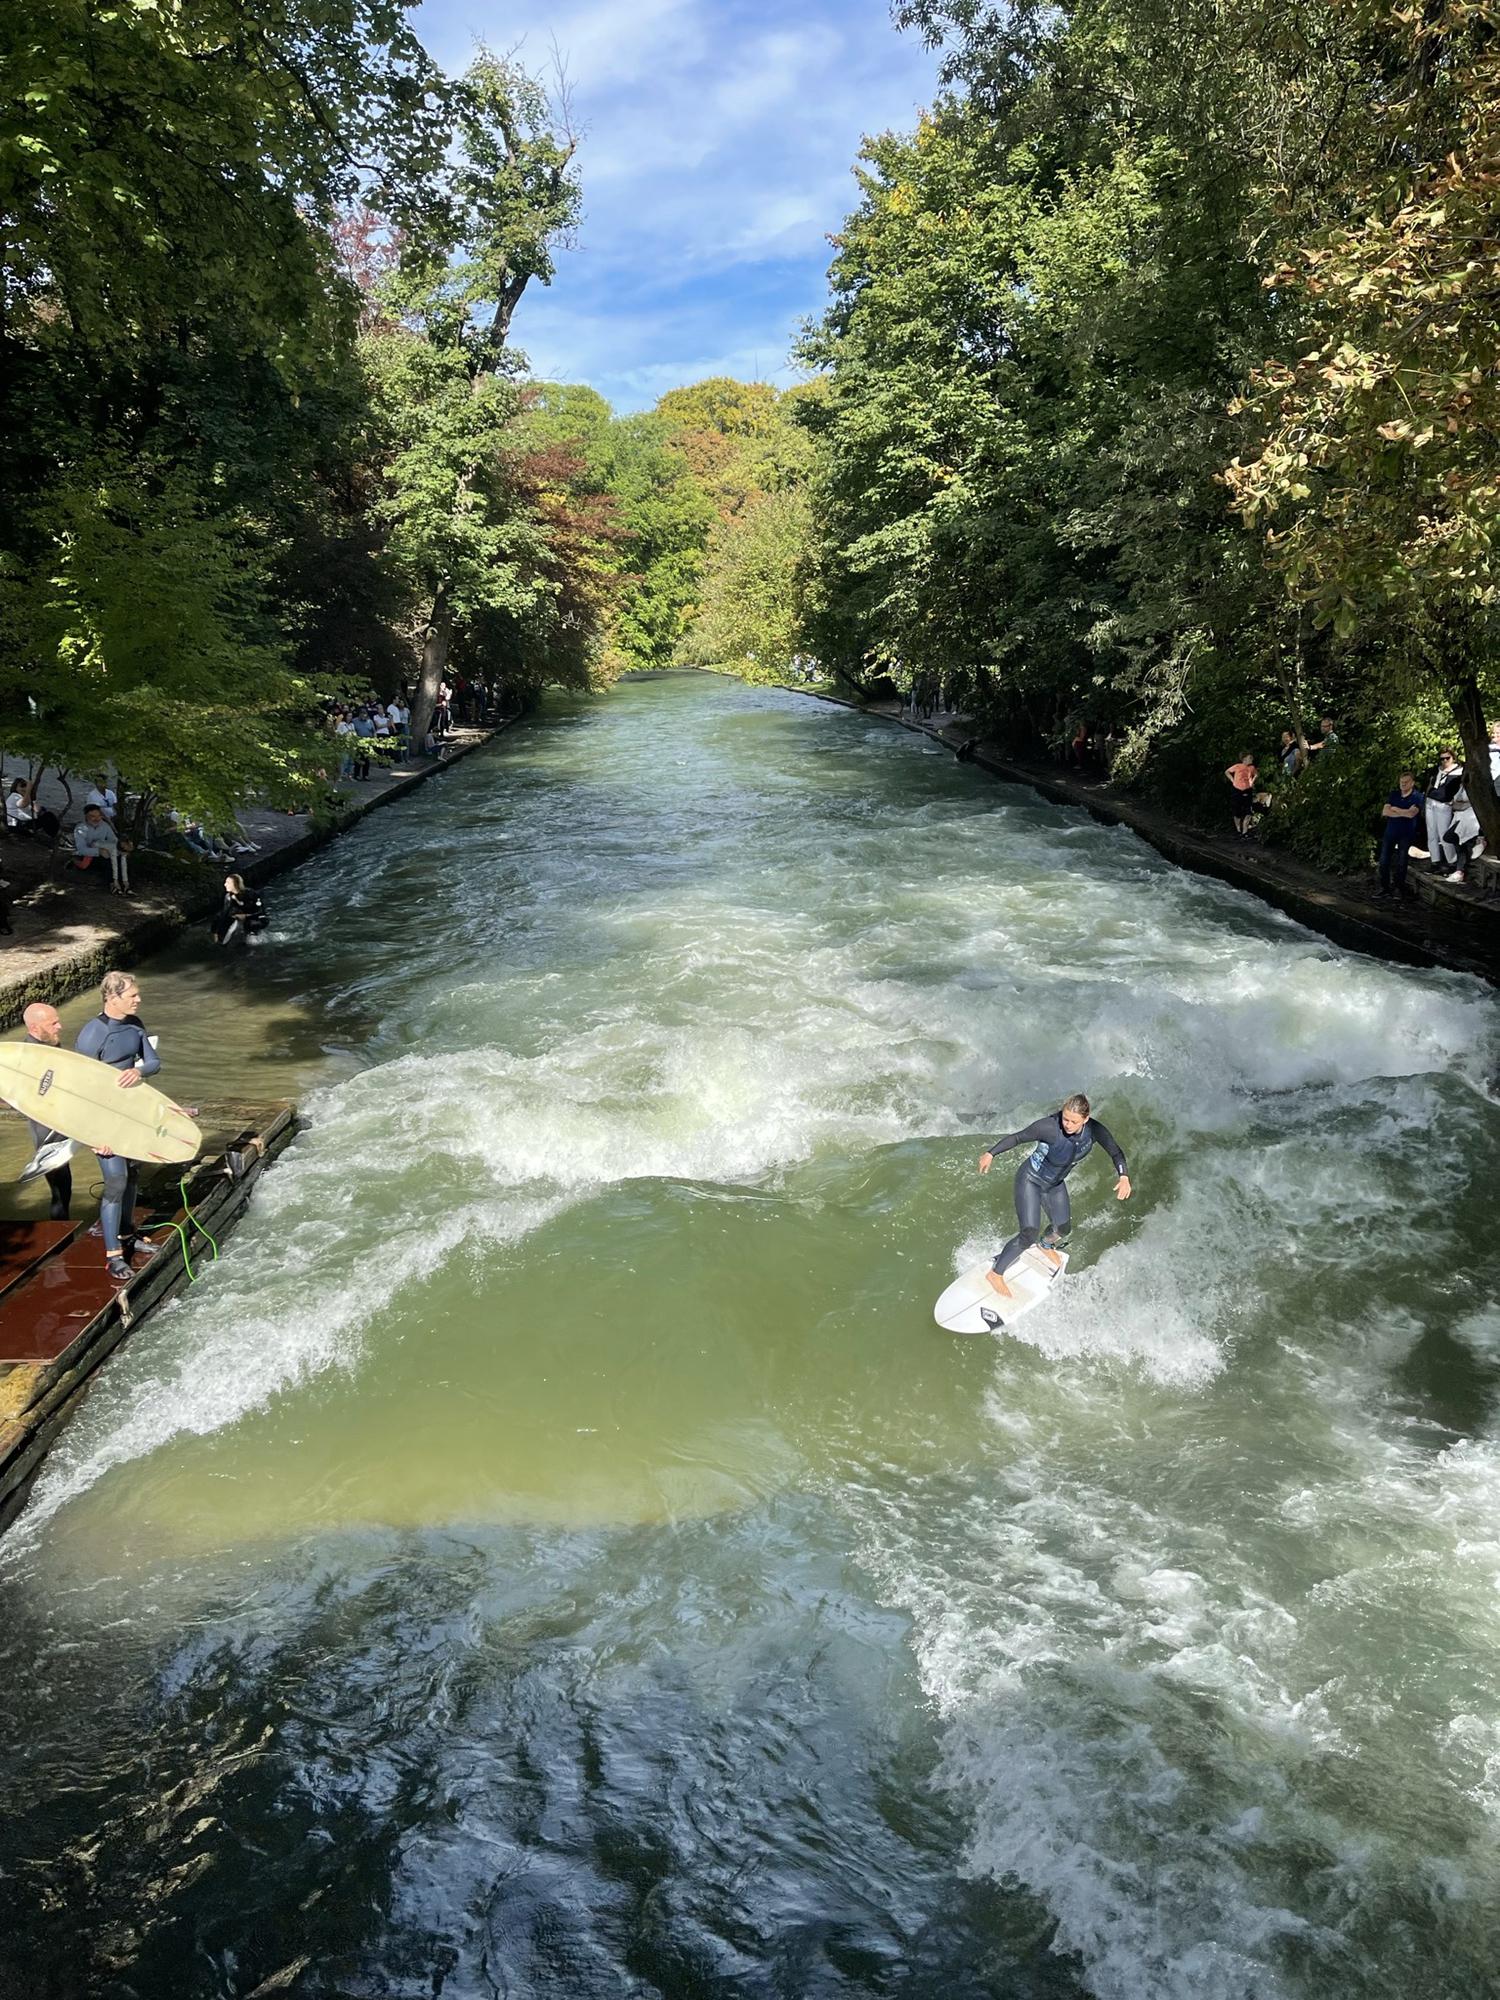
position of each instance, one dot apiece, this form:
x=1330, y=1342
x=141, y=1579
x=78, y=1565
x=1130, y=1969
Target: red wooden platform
x=52, y=1283
x=23, y=1245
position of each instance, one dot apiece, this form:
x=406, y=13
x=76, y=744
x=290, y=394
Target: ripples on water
x=554, y=1552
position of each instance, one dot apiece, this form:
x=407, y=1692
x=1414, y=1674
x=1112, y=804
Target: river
x=554, y=1553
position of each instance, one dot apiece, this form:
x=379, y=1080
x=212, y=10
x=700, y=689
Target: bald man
x=43, y=1024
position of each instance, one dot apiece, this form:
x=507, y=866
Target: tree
x=737, y=439
x=511, y=196
x=159, y=657
x=175, y=344
x=750, y=612
x=1376, y=476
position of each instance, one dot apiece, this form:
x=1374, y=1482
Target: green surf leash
x=182, y=1233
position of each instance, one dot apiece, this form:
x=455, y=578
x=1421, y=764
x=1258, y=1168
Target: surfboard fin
x=991, y=1319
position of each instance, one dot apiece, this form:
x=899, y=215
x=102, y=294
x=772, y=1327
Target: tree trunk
x=1291, y=685
x=435, y=643
x=1474, y=734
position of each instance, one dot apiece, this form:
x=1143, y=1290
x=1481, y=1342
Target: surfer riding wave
x=1057, y=1145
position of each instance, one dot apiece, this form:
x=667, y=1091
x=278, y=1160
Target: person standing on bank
x=1442, y=810
x=1241, y=778
x=1057, y=1145
x=43, y=1025
x=117, y=1036
x=1402, y=810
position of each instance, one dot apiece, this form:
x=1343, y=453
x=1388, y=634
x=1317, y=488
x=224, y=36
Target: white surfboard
x=48, y=1157
x=81, y=1098
x=972, y=1305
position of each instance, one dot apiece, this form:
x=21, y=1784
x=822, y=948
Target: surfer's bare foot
x=1051, y=1256
x=999, y=1284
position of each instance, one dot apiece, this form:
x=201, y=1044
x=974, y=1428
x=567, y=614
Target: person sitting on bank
x=43, y=1025
x=207, y=847
x=242, y=914
x=24, y=816
x=98, y=852
x=1401, y=811
x=117, y=1036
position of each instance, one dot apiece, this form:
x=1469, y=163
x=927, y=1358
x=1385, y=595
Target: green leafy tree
x=511, y=196
x=151, y=620
x=170, y=304
x=749, y=615
x=1376, y=477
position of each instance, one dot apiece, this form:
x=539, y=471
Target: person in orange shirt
x=1242, y=778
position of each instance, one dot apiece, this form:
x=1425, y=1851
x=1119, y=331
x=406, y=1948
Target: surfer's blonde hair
x=1077, y=1102
x=116, y=983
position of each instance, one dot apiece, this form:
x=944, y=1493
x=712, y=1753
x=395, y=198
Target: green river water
x=554, y=1552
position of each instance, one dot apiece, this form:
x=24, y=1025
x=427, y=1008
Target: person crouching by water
x=1057, y=1145
x=117, y=1036
x=242, y=915
x=43, y=1025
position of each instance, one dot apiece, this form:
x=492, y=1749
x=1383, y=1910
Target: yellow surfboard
x=82, y=1099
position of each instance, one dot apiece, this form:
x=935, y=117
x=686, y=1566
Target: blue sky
x=718, y=138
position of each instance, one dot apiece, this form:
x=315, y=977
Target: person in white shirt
x=24, y=815
x=97, y=847
x=103, y=796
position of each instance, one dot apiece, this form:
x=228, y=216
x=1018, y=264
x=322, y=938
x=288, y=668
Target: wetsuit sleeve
x=1032, y=1133
x=1105, y=1138
x=91, y=1037
x=149, y=1062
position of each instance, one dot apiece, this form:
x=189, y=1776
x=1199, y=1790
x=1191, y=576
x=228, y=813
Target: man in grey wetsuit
x=1057, y=1145
x=116, y=1036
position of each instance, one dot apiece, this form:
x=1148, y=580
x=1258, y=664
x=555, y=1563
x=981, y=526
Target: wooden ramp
x=61, y=1315
x=25, y=1245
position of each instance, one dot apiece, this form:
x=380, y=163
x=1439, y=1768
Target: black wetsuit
x=241, y=917
x=60, y=1180
x=1041, y=1181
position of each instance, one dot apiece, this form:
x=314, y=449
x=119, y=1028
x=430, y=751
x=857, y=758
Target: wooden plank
x=40, y=1319
x=23, y=1245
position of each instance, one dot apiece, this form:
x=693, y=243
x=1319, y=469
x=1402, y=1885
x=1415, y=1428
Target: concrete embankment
x=1460, y=931
x=81, y=935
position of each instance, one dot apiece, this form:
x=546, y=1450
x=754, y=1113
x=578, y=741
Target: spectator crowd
x=96, y=849
x=1435, y=819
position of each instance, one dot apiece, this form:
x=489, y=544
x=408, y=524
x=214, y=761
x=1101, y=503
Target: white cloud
x=717, y=141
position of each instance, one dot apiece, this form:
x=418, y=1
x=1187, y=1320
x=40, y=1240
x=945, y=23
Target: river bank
x=1460, y=931
x=69, y=936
